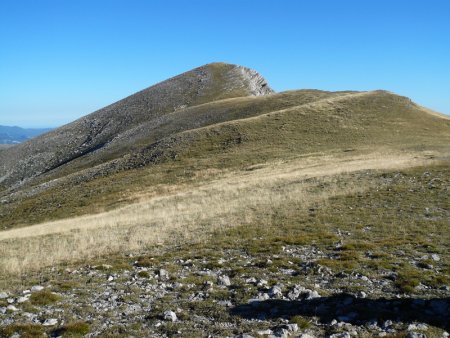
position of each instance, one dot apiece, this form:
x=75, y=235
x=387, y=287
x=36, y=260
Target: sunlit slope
x=256, y=130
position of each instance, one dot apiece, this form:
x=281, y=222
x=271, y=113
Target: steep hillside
x=117, y=121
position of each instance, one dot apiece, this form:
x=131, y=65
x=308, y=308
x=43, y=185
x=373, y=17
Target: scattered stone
x=262, y=283
x=292, y=327
x=420, y=326
x=251, y=280
x=305, y=335
x=12, y=308
x=170, y=316
x=264, y=332
x=37, y=288
x=340, y=335
x=275, y=291
x=362, y=294
x=223, y=280
x=163, y=275
x=225, y=303
x=387, y=324
x=50, y=322
x=110, y=278
x=416, y=335
x=311, y=294
x=22, y=299
x=3, y=295
x=435, y=257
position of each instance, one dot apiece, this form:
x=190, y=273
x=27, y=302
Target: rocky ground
x=338, y=280
x=288, y=294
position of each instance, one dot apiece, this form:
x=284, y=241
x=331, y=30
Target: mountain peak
x=205, y=84
x=249, y=81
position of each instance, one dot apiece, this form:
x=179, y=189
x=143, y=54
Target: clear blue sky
x=60, y=60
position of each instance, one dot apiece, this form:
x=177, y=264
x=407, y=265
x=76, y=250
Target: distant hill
x=14, y=135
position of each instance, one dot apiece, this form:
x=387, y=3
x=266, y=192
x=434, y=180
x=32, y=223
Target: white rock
x=362, y=294
x=22, y=300
x=435, y=257
x=264, y=332
x=10, y=300
x=170, y=315
x=224, y=280
x=251, y=280
x=163, y=274
x=387, y=324
x=413, y=334
x=12, y=308
x=50, y=322
x=280, y=333
x=311, y=294
x=3, y=295
x=292, y=327
x=262, y=282
x=37, y=288
x=275, y=291
x=420, y=326
x=110, y=278
x=340, y=335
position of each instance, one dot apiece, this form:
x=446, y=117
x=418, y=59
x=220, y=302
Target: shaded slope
x=95, y=131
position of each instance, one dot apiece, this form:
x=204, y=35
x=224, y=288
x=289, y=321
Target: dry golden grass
x=234, y=198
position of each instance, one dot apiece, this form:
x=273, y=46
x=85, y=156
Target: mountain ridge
x=233, y=126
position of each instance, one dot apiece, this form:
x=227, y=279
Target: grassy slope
x=193, y=118
x=383, y=229
x=360, y=122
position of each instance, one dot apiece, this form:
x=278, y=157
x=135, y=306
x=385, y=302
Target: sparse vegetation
x=73, y=329
x=44, y=297
x=25, y=330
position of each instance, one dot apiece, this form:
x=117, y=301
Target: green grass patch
x=44, y=297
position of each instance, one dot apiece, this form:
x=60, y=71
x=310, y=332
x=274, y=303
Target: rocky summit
x=210, y=206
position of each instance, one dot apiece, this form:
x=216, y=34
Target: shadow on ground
x=347, y=308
